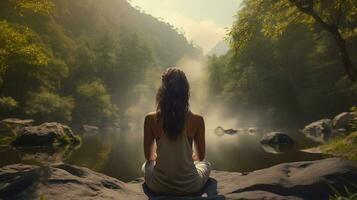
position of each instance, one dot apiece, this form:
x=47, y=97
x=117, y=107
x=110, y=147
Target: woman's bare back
x=195, y=130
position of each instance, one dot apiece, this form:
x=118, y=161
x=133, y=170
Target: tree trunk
x=340, y=41
x=348, y=65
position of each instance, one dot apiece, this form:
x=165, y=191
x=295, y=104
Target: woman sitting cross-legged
x=169, y=134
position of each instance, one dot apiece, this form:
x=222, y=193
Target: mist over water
x=215, y=113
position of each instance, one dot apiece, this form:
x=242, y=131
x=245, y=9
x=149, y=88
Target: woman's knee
x=203, y=167
x=208, y=164
x=204, y=162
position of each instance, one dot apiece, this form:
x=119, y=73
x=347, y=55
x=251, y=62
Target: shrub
x=345, y=147
x=7, y=103
x=45, y=105
x=349, y=195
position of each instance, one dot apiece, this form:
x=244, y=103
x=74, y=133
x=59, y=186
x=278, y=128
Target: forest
x=285, y=65
x=275, y=105
x=79, y=61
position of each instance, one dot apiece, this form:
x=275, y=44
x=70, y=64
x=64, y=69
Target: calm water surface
x=120, y=153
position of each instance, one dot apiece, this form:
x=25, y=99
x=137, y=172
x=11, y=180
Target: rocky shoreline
x=298, y=180
x=324, y=129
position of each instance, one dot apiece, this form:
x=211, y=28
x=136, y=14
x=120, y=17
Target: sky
x=205, y=22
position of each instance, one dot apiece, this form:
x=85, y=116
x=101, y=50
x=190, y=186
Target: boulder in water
x=319, y=131
x=221, y=131
x=252, y=130
x=230, y=131
x=342, y=120
x=14, y=124
x=46, y=134
x=276, y=138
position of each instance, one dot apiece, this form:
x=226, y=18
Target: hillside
x=93, y=53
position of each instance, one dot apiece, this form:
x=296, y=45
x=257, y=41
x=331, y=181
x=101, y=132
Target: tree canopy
x=273, y=17
x=283, y=65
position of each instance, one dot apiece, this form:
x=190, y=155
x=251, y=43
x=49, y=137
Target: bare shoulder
x=197, y=124
x=196, y=118
x=151, y=116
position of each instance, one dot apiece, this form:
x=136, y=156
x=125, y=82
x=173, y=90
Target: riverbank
x=345, y=147
x=298, y=180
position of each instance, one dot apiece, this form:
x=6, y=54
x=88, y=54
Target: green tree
x=16, y=45
x=282, y=66
x=7, y=104
x=37, y=6
x=337, y=17
x=94, y=104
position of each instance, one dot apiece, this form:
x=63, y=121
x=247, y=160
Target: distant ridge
x=221, y=48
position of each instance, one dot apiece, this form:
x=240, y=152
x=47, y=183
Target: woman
x=171, y=166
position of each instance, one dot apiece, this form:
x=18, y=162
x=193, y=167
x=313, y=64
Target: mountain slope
x=109, y=44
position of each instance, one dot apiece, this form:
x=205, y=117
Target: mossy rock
x=46, y=134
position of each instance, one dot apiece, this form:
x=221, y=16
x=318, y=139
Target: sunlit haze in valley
x=205, y=22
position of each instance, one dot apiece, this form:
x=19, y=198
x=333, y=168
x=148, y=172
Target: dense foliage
x=283, y=65
x=79, y=60
x=45, y=105
x=95, y=103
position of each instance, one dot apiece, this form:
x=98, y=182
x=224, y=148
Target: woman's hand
x=195, y=157
x=153, y=157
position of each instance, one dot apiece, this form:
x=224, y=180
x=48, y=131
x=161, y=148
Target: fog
x=215, y=113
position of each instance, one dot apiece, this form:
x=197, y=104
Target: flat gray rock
x=298, y=180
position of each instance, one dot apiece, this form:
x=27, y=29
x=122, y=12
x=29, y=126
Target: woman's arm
x=199, y=140
x=149, y=138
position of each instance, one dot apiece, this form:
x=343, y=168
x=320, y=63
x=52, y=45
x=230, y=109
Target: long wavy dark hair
x=172, y=100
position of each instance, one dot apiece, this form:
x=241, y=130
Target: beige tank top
x=175, y=172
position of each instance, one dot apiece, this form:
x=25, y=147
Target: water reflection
x=35, y=155
x=117, y=154
x=43, y=156
x=94, y=150
x=277, y=148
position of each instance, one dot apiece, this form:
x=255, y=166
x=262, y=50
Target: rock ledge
x=298, y=180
